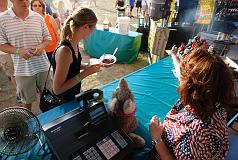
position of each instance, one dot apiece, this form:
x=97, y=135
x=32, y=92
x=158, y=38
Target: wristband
x=78, y=78
x=17, y=51
x=155, y=142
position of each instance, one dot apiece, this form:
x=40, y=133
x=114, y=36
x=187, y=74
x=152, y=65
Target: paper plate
x=108, y=60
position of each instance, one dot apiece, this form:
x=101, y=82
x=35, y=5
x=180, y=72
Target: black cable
x=43, y=147
x=5, y=158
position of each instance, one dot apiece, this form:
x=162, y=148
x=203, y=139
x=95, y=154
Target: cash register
x=87, y=133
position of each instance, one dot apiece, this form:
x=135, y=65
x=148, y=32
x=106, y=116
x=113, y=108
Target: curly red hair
x=205, y=81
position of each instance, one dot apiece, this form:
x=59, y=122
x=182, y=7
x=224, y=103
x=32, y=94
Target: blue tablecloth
x=154, y=88
x=101, y=42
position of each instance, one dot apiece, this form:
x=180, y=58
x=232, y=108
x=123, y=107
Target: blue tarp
x=155, y=91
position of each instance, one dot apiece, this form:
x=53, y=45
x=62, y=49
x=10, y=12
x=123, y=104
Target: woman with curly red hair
x=195, y=128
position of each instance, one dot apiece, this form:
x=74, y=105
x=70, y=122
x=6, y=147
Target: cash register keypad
x=108, y=147
x=77, y=158
x=92, y=154
x=120, y=140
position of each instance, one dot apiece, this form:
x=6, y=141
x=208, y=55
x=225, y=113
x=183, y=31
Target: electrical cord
x=5, y=158
x=43, y=148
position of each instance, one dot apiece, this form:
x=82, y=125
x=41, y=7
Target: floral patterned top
x=189, y=137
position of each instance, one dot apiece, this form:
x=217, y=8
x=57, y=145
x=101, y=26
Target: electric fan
x=20, y=131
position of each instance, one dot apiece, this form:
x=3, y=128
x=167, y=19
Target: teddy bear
x=122, y=108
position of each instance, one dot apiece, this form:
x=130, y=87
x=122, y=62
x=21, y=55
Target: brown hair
x=205, y=81
x=42, y=4
x=79, y=18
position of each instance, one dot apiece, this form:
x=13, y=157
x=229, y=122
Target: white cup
x=94, y=61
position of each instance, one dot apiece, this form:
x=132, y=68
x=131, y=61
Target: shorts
x=138, y=4
x=29, y=86
x=7, y=64
x=131, y=8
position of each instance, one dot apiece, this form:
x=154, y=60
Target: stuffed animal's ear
x=112, y=105
x=114, y=94
x=129, y=106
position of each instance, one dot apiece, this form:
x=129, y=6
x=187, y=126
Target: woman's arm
x=176, y=60
x=84, y=66
x=156, y=129
x=63, y=60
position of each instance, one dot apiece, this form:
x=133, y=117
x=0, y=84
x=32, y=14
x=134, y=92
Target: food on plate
x=107, y=61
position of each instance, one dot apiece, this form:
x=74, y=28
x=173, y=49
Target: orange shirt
x=53, y=43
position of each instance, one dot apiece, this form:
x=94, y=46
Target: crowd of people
x=142, y=7
x=54, y=14
x=30, y=41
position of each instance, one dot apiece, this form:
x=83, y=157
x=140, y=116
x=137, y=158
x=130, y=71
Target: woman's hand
x=84, y=65
x=93, y=68
x=156, y=128
x=236, y=42
x=173, y=51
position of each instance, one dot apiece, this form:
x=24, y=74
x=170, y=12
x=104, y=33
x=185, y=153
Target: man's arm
x=7, y=48
x=39, y=48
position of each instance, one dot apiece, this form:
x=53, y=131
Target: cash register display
x=95, y=113
x=108, y=147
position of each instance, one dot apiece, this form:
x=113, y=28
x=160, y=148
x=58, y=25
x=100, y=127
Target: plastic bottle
x=96, y=99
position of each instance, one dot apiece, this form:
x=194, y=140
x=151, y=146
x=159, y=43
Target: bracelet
x=18, y=50
x=155, y=142
x=78, y=78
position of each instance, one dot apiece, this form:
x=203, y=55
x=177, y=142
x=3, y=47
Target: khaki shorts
x=7, y=64
x=29, y=86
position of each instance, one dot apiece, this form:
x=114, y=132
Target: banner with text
x=205, y=11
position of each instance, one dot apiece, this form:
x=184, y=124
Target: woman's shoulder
x=63, y=49
x=194, y=137
x=51, y=18
x=63, y=55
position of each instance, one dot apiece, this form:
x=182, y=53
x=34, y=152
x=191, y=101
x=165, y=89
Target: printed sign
x=205, y=11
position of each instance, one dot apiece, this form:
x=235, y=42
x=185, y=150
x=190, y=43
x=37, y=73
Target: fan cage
x=20, y=131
